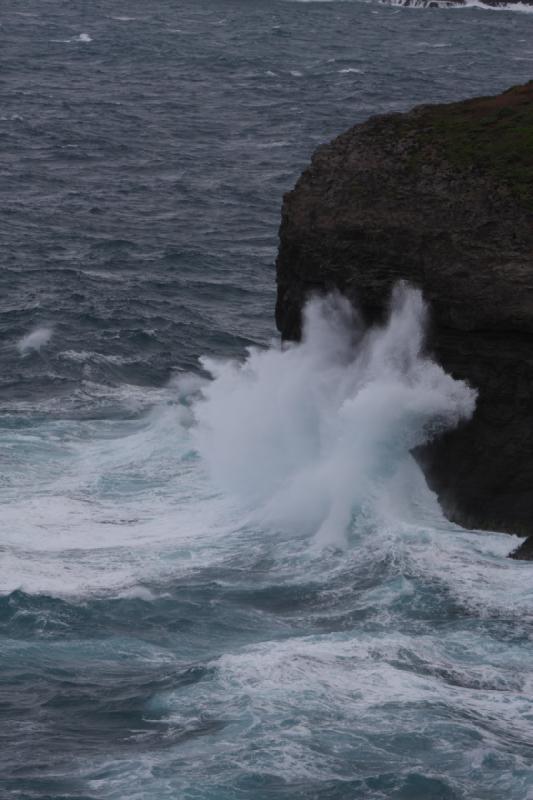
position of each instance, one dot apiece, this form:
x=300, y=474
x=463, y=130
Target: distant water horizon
x=222, y=576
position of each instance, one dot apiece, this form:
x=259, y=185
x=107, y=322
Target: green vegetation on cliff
x=491, y=134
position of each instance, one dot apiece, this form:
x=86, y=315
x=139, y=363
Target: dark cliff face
x=441, y=197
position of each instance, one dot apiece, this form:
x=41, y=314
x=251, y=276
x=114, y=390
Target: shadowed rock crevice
x=441, y=197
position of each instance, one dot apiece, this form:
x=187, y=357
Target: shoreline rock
x=441, y=197
x=494, y=4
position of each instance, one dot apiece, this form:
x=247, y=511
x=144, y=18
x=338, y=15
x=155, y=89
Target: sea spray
x=307, y=434
x=34, y=340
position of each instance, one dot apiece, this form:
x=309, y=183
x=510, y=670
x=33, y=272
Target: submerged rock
x=441, y=197
x=525, y=551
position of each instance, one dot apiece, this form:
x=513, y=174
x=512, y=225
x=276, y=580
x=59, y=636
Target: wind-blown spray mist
x=309, y=433
x=35, y=340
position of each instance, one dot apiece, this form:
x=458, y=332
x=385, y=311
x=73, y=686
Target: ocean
x=222, y=575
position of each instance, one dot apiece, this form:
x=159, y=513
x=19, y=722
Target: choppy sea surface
x=221, y=575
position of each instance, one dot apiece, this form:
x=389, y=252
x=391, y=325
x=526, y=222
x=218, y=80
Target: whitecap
x=467, y=4
x=35, y=340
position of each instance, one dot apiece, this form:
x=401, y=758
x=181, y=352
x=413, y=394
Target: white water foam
x=309, y=442
x=100, y=506
x=307, y=435
x=35, y=340
x=450, y=4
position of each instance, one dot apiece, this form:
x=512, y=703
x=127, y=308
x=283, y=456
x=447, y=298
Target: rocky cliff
x=441, y=197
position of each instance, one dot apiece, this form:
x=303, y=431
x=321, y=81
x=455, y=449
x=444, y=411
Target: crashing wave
x=310, y=433
x=490, y=5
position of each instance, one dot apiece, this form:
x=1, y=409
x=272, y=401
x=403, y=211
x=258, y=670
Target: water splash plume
x=307, y=434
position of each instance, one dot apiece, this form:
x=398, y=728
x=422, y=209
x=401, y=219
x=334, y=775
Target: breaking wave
x=503, y=6
x=263, y=580
x=309, y=434
x=35, y=340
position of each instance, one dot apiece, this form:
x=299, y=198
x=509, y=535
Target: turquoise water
x=221, y=574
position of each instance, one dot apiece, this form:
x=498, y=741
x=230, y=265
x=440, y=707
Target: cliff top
x=489, y=134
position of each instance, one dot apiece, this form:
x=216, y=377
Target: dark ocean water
x=171, y=623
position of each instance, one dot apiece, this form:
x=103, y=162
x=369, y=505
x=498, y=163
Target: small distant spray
x=35, y=340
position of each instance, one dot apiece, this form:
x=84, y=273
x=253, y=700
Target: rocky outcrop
x=454, y=3
x=441, y=197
